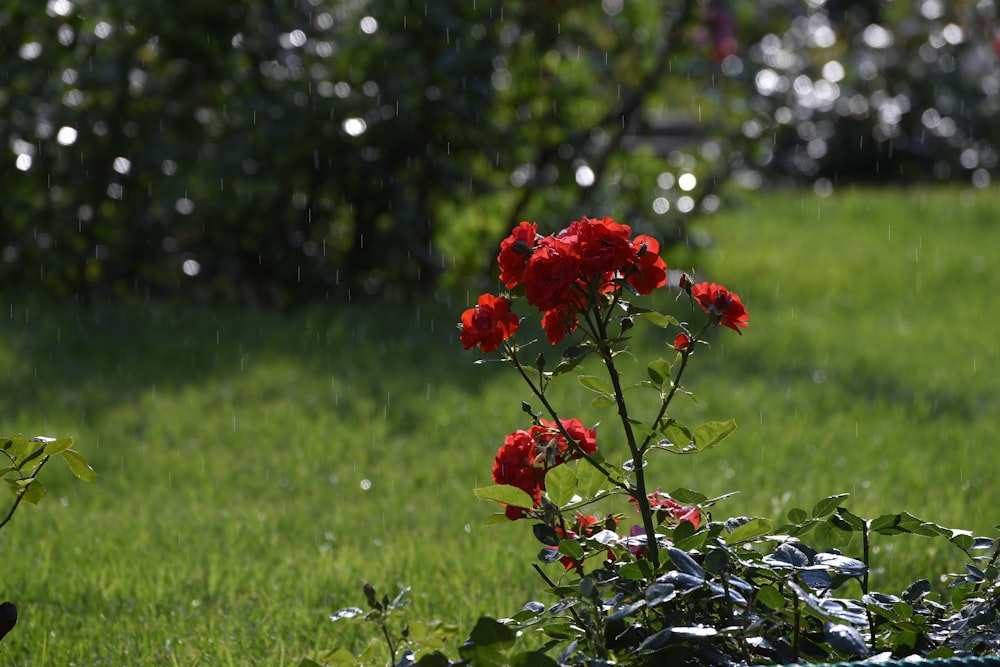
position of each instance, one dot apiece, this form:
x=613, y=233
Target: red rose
x=604, y=247
x=660, y=501
x=549, y=435
x=488, y=324
x=724, y=306
x=514, y=465
x=682, y=342
x=515, y=251
x=550, y=275
x=558, y=323
x=650, y=271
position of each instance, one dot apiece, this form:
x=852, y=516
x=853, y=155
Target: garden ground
x=256, y=467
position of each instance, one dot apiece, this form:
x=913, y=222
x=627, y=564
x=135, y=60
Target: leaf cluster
x=22, y=460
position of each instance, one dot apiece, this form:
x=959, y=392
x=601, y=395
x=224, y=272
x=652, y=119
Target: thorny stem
x=20, y=495
x=552, y=584
x=797, y=629
x=866, y=557
x=641, y=497
x=676, y=385
x=388, y=640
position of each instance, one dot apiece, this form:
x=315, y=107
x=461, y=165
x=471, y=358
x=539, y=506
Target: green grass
x=257, y=467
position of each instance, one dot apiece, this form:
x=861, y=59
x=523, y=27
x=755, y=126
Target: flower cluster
x=566, y=273
x=526, y=456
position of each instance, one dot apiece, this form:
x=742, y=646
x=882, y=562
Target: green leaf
x=17, y=446
x=53, y=447
x=603, y=401
x=435, y=659
x=797, y=515
x=659, y=319
x=496, y=518
x=688, y=497
x=488, y=643
x=594, y=383
x=659, y=372
x=748, y=531
x=827, y=536
x=770, y=597
x=34, y=492
x=678, y=436
x=904, y=522
x=828, y=504
x=489, y=632
x=506, y=494
x=850, y=519
x=589, y=480
x=78, y=465
x=528, y=659
x=32, y=458
x=636, y=570
x=711, y=433
x=560, y=484
x=571, y=358
x=571, y=548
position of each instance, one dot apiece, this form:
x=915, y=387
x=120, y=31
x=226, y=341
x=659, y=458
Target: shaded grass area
x=257, y=467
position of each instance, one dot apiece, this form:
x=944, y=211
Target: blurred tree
x=277, y=152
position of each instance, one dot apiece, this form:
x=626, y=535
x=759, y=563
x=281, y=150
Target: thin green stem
x=555, y=417
x=20, y=495
x=675, y=386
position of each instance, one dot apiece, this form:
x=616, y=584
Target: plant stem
x=685, y=356
x=797, y=629
x=866, y=557
x=640, y=493
x=20, y=495
x=555, y=417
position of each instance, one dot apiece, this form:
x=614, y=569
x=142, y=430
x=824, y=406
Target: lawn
x=256, y=467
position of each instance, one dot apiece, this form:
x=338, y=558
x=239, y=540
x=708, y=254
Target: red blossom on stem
x=515, y=251
x=586, y=525
x=649, y=271
x=488, y=324
x=675, y=512
x=724, y=306
x=526, y=456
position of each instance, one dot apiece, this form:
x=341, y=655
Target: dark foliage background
x=278, y=152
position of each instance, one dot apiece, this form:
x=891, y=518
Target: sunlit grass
x=257, y=467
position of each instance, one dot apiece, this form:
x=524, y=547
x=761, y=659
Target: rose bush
x=679, y=586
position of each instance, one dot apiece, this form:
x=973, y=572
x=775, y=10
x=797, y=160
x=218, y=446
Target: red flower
x=554, y=446
x=585, y=526
x=682, y=342
x=675, y=512
x=488, y=324
x=603, y=246
x=514, y=465
x=515, y=251
x=724, y=306
x=559, y=322
x=650, y=270
x=550, y=275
